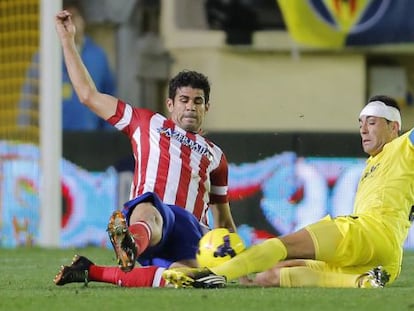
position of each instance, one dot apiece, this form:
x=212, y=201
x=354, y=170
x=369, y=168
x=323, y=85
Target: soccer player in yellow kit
x=364, y=249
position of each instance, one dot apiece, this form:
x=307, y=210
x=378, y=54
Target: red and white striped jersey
x=183, y=168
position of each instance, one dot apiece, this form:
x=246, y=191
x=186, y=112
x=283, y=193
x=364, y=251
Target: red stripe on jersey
x=185, y=174
x=120, y=109
x=138, y=131
x=144, y=149
x=219, y=177
x=164, y=161
x=136, y=169
x=199, y=206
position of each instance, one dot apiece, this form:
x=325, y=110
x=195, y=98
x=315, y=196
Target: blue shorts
x=181, y=232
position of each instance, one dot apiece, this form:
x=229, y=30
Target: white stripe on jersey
x=134, y=187
x=154, y=154
x=195, y=176
x=219, y=190
x=126, y=118
x=174, y=173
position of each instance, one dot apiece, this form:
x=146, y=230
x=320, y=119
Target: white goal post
x=50, y=126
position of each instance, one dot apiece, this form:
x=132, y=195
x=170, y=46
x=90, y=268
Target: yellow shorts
x=353, y=244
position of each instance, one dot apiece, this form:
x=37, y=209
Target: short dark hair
x=190, y=78
x=389, y=101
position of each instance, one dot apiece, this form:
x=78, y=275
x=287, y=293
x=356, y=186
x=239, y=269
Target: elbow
x=86, y=96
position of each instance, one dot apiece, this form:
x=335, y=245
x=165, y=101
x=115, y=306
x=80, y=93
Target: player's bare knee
x=149, y=214
x=156, y=228
x=145, y=211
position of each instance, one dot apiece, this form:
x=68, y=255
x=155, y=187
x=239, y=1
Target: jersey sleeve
x=219, y=182
x=127, y=119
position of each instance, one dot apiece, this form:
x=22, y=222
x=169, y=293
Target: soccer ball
x=217, y=246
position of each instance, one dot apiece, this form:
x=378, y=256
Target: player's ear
x=207, y=106
x=395, y=127
x=170, y=104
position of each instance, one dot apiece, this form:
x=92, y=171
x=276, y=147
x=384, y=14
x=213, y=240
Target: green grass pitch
x=26, y=276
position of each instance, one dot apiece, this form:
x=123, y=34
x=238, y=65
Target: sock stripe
x=158, y=280
x=147, y=228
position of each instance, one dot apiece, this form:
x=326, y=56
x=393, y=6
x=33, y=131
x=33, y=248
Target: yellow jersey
x=386, y=188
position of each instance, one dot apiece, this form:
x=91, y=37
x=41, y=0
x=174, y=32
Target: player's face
x=188, y=108
x=375, y=133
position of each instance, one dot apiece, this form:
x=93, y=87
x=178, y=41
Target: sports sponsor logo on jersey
x=186, y=141
x=370, y=171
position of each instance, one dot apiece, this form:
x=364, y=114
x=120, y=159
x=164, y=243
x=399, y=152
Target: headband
x=379, y=109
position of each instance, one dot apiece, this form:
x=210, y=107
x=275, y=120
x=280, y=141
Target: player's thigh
x=182, y=242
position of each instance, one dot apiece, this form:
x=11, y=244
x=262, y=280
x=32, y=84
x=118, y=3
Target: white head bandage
x=379, y=109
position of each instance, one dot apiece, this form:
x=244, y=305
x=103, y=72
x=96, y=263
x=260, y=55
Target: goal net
x=19, y=96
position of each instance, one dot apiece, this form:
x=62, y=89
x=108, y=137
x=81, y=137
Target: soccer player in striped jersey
x=364, y=249
x=179, y=175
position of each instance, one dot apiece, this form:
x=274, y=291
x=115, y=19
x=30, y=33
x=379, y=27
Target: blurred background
x=288, y=78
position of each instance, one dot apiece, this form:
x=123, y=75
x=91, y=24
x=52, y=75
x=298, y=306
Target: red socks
x=142, y=235
x=138, y=277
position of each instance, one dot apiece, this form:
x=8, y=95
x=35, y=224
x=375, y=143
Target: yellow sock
x=306, y=277
x=257, y=258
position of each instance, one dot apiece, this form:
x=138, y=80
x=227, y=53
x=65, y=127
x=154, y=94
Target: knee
x=146, y=212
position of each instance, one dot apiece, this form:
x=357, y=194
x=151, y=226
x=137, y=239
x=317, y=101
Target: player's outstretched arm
x=223, y=217
x=102, y=104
